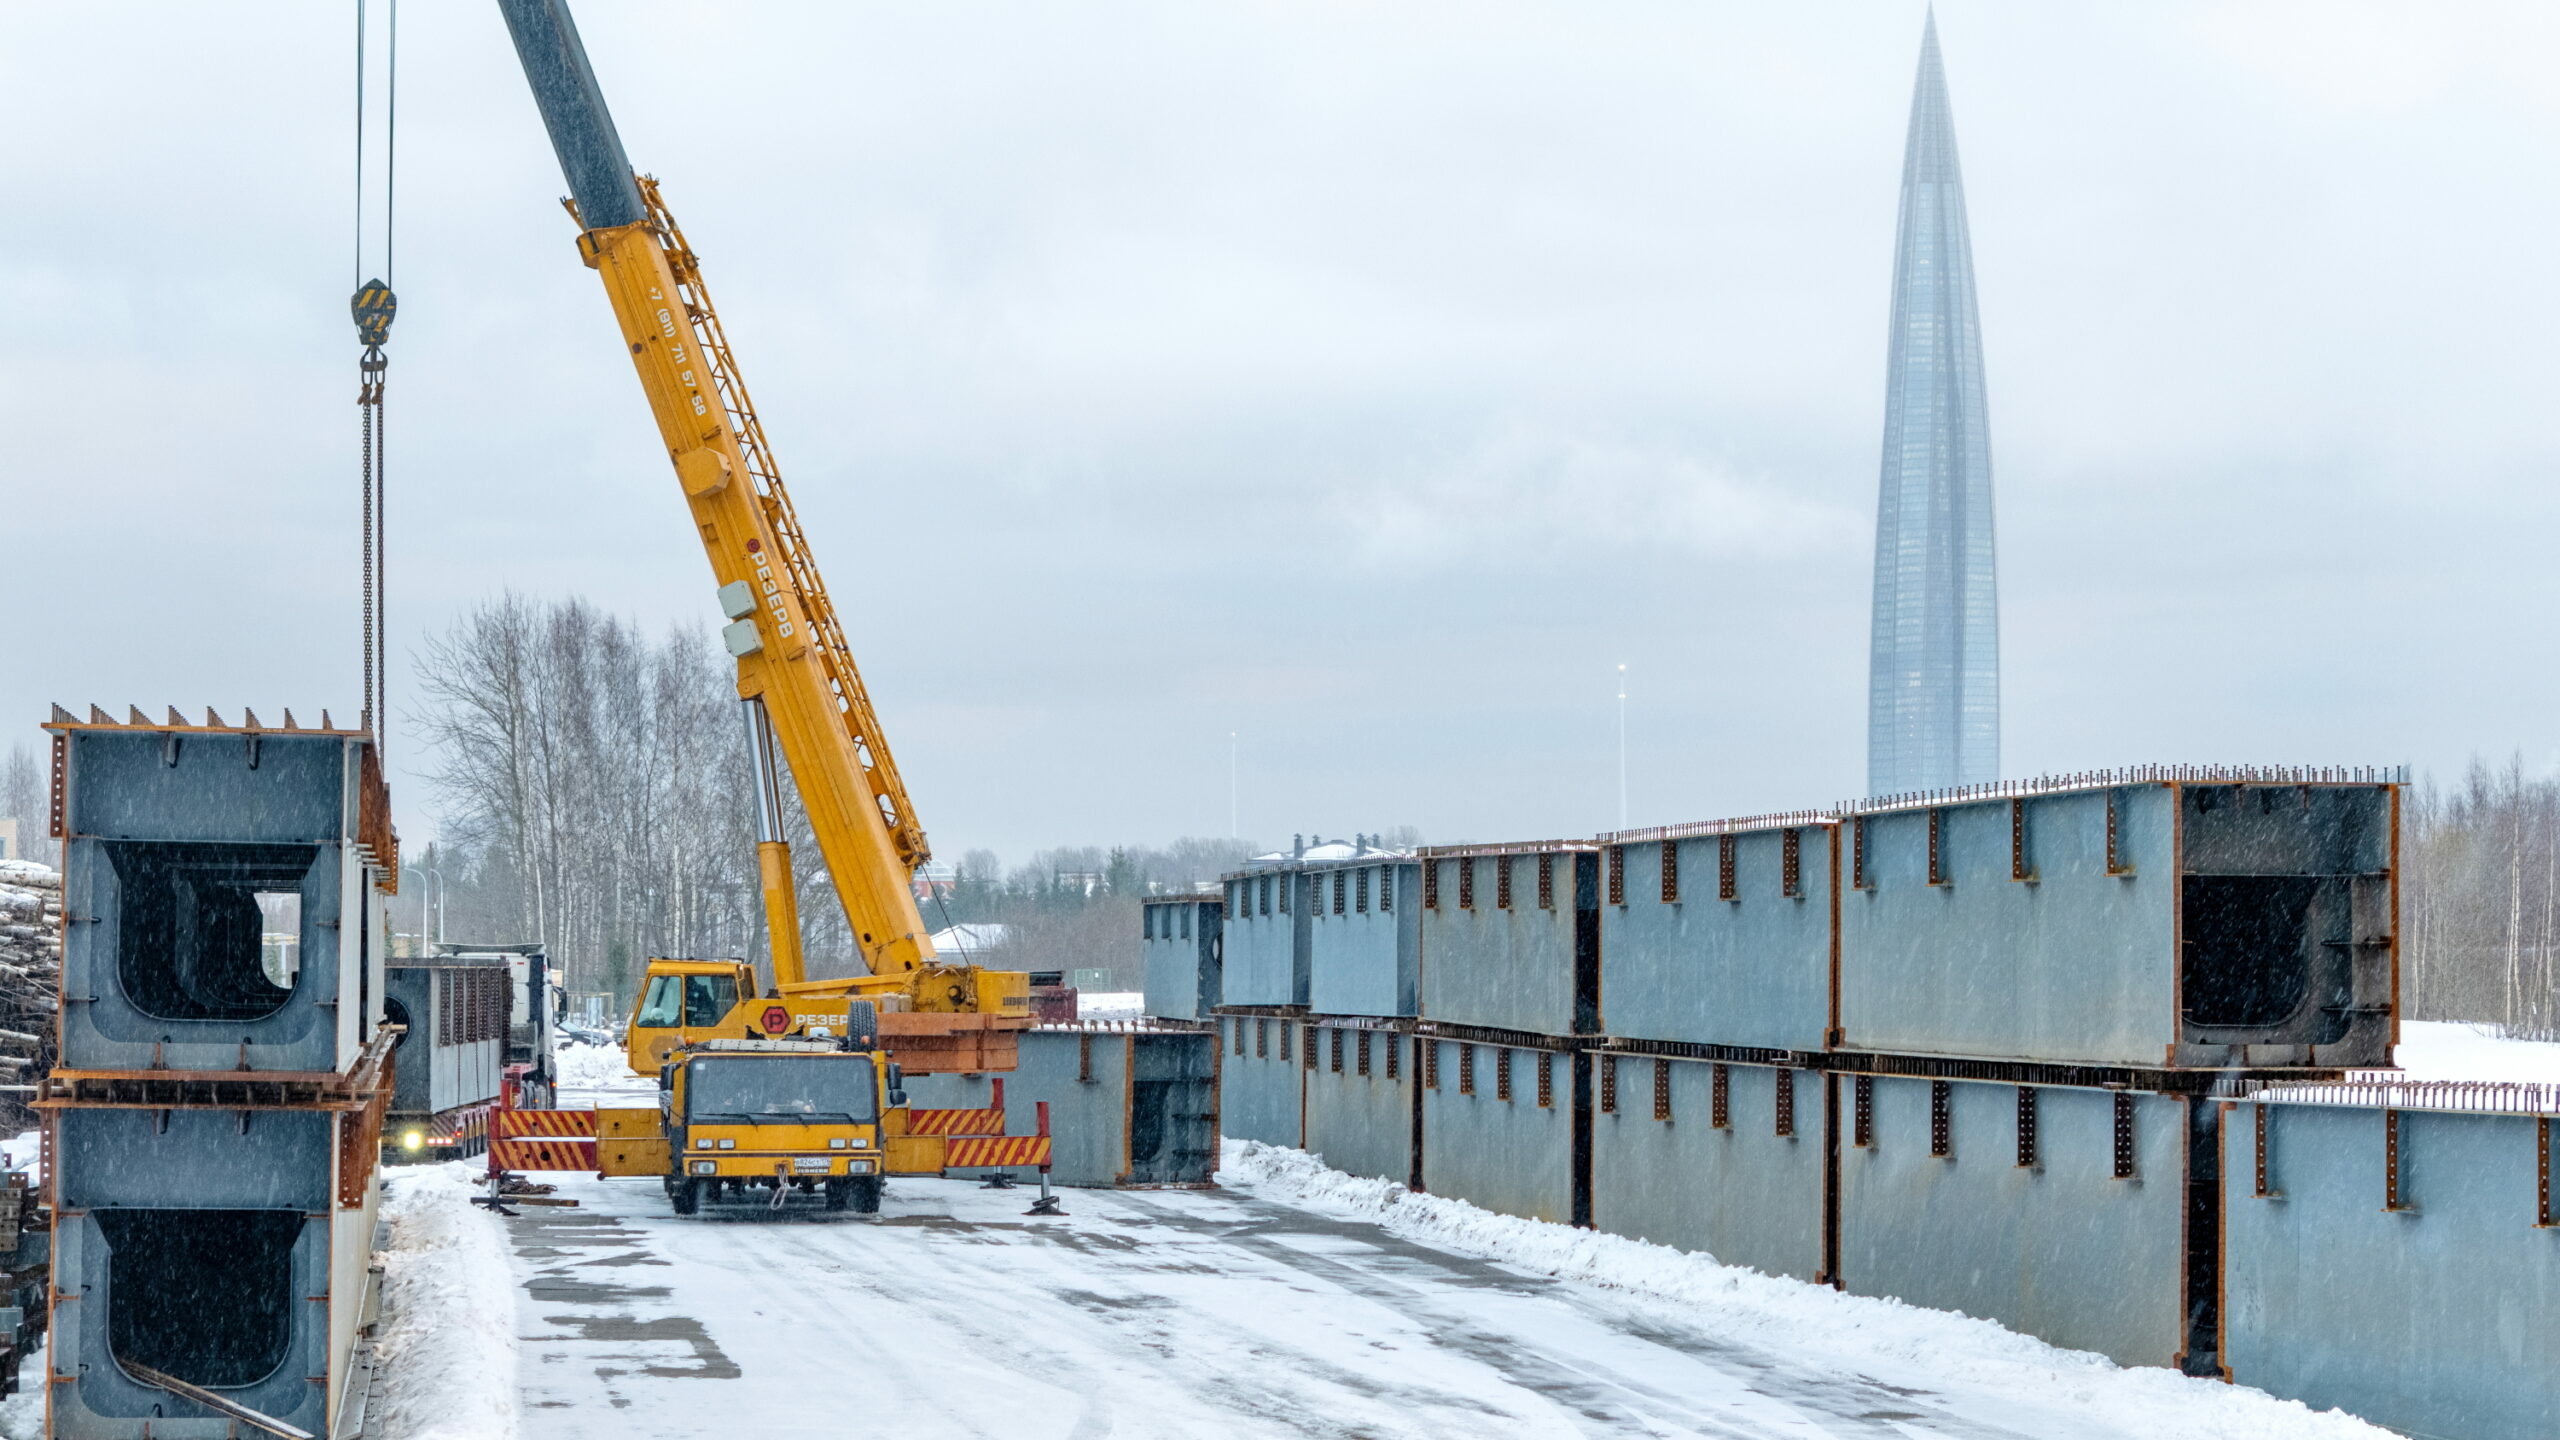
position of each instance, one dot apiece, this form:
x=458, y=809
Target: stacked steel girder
x=1982, y=1049
x=215, y=1115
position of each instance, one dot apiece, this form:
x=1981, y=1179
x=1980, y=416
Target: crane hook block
x=373, y=306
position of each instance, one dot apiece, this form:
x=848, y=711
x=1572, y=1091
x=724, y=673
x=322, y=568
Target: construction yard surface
x=1292, y=1301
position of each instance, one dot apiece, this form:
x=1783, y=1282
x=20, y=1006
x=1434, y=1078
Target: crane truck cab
x=770, y=1116
x=819, y=1108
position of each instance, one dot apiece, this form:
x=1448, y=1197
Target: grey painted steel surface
x=1365, y=939
x=1514, y=1157
x=2063, y=1250
x=200, y=1160
x=432, y=1073
x=254, y=1207
x=171, y=836
x=573, y=111
x=1173, y=1108
x=1266, y=939
x=1743, y=1193
x=2236, y=924
x=1126, y=1107
x=1259, y=1084
x=2442, y=1319
x=1512, y=967
x=1181, y=955
x=1751, y=971
x=1362, y=1123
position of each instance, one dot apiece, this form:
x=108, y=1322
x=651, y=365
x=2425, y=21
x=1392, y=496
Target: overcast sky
x=1368, y=380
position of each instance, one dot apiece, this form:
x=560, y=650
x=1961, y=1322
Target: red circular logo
x=776, y=1019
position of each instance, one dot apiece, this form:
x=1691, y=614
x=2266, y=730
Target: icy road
x=1275, y=1309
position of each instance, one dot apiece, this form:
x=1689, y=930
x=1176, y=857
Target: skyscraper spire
x=1933, y=693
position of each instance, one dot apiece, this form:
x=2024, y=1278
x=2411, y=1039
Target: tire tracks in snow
x=1613, y=1401
x=1137, y=1330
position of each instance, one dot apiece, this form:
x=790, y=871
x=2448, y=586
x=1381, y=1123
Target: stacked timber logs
x=30, y=982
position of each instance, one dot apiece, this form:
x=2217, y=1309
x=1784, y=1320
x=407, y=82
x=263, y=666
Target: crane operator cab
x=685, y=1001
x=936, y=1019
x=774, y=1118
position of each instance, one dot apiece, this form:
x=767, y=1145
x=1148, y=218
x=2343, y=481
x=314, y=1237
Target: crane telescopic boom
x=796, y=675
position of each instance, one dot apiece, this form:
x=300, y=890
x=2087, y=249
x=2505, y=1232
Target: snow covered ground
x=1296, y=1302
x=448, y=1341
x=22, y=1414
x=2444, y=1050
x=25, y=1151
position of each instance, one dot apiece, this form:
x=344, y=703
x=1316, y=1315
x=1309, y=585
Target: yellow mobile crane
x=796, y=675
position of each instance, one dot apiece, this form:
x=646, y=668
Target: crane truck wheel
x=838, y=1192
x=687, y=1196
x=866, y=1194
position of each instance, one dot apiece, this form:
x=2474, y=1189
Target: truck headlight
x=413, y=1140
x=702, y=1144
x=728, y=1144
x=704, y=1167
x=836, y=1144
x=857, y=1167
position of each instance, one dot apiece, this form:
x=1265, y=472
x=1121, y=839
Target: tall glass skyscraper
x=1933, y=690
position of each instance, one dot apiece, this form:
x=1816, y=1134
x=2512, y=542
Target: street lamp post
x=432, y=924
x=1622, y=747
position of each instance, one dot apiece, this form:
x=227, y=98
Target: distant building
x=1933, y=689
x=1320, y=851
x=970, y=939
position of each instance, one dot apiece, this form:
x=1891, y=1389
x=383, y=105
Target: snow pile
x=22, y=1414
x=448, y=1342
x=1111, y=1005
x=2450, y=1050
x=597, y=1067
x=1886, y=1340
x=24, y=1151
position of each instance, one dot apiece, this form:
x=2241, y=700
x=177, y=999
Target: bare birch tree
x=25, y=797
x=2480, y=865
x=595, y=787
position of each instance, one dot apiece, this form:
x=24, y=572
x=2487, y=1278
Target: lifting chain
x=373, y=307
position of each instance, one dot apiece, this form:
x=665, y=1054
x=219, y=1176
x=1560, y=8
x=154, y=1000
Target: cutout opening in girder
x=201, y=927
x=2249, y=949
x=203, y=1295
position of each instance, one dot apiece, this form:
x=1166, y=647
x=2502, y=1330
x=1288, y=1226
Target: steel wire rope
x=373, y=307
x=365, y=398
x=381, y=416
